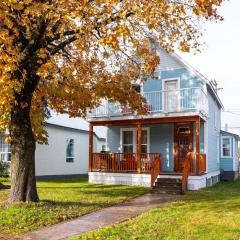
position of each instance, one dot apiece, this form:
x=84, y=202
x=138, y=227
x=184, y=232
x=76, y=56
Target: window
x=70, y=151
x=129, y=140
x=136, y=87
x=144, y=147
x=5, y=150
x=226, y=147
x=184, y=130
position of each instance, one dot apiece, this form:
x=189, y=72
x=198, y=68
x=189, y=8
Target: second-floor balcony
x=183, y=101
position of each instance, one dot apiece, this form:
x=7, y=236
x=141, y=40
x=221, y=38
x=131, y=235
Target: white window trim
x=134, y=130
x=163, y=92
x=230, y=144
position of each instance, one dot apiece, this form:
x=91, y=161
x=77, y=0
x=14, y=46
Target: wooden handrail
x=156, y=168
x=122, y=162
x=186, y=170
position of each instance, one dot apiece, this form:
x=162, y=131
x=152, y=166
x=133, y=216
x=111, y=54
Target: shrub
x=4, y=169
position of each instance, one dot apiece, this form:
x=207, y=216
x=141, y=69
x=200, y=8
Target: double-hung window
x=5, y=149
x=70, y=151
x=226, y=147
x=129, y=140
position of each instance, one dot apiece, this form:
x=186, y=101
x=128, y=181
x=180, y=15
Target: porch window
x=128, y=141
x=5, y=150
x=144, y=147
x=70, y=151
x=226, y=147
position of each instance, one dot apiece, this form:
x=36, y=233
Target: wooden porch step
x=167, y=186
x=166, y=191
x=169, y=180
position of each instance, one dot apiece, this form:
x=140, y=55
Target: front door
x=183, y=143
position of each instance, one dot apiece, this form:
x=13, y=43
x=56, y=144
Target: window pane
x=226, y=147
x=5, y=149
x=70, y=151
x=128, y=137
x=128, y=149
x=144, y=148
x=144, y=137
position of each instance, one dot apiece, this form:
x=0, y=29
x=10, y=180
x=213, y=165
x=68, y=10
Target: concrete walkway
x=101, y=218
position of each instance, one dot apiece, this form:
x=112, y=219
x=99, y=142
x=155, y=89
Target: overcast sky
x=220, y=60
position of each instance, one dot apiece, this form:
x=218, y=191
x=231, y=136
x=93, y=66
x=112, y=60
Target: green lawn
x=210, y=214
x=60, y=200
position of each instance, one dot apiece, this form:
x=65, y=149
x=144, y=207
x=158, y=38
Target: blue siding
x=213, y=154
x=161, y=141
x=187, y=80
x=227, y=164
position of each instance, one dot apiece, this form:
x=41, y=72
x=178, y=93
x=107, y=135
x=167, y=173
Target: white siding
x=51, y=158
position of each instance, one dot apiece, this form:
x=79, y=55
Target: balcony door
x=171, y=92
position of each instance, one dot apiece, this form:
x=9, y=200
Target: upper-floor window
x=226, y=147
x=70, y=150
x=136, y=87
x=5, y=149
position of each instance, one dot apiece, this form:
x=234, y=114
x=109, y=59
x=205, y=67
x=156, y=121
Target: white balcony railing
x=184, y=100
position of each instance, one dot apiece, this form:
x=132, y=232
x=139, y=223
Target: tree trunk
x=23, y=181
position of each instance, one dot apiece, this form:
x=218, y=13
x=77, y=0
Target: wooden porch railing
x=122, y=162
x=190, y=165
x=156, y=168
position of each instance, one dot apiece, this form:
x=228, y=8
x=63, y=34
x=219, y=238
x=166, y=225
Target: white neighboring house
x=67, y=153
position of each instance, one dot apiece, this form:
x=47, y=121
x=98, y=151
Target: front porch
x=133, y=162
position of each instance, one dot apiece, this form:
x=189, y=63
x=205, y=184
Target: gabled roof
x=231, y=134
x=190, y=68
x=64, y=120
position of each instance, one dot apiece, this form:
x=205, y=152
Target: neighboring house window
x=5, y=149
x=70, y=151
x=226, y=147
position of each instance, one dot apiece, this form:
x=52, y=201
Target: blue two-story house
x=183, y=125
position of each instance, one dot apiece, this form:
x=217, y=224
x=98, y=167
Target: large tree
x=67, y=55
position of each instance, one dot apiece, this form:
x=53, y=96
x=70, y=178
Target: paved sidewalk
x=101, y=218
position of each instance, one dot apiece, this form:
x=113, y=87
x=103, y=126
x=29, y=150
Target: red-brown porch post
x=90, y=146
x=139, y=147
x=197, y=145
